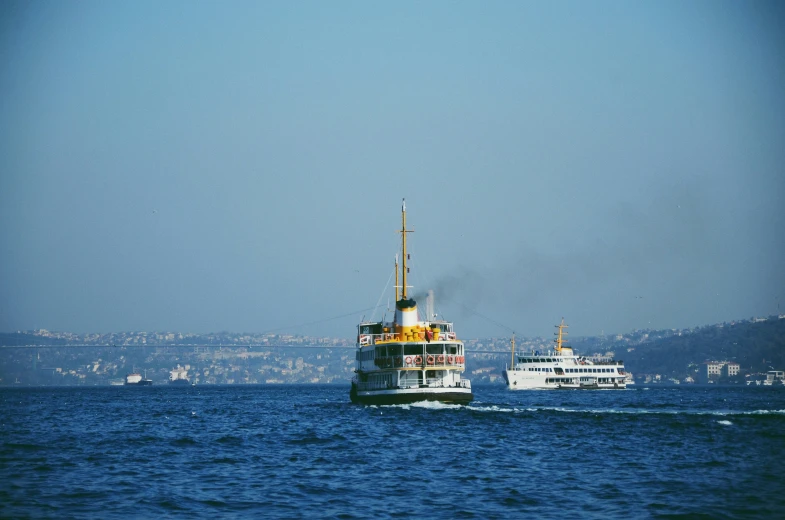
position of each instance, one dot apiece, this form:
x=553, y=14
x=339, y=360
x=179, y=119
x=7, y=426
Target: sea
x=291, y=451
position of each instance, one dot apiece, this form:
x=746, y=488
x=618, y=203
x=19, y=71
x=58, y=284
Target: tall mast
x=512, y=366
x=403, y=232
x=559, y=340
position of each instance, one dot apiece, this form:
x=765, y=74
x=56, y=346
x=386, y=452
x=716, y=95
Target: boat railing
x=374, y=386
x=428, y=362
x=439, y=383
x=430, y=383
x=367, y=339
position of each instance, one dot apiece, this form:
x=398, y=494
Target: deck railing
x=431, y=383
x=430, y=361
x=372, y=339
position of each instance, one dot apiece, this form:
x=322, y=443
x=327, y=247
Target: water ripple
x=303, y=452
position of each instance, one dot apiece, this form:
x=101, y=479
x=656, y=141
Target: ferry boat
x=408, y=359
x=136, y=379
x=562, y=368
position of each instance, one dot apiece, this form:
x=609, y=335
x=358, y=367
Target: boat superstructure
x=408, y=359
x=137, y=379
x=562, y=368
x=179, y=376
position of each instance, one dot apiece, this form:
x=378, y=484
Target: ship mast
x=559, y=339
x=512, y=366
x=403, y=232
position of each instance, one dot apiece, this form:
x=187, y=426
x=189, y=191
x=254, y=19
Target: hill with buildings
x=42, y=357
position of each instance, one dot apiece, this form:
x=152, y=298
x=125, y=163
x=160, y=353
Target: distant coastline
x=44, y=358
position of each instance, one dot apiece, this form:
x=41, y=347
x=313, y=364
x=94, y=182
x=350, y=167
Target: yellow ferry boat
x=408, y=359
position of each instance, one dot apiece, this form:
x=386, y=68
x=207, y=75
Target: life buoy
x=460, y=359
x=418, y=360
x=441, y=358
x=430, y=360
x=408, y=360
x=450, y=359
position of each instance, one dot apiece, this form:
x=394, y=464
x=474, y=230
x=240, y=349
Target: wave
x=433, y=405
x=428, y=405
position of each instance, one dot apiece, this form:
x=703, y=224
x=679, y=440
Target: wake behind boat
x=562, y=368
x=409, y=359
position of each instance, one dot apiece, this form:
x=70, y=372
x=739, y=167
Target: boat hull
x=411, y=395
x=522, y=380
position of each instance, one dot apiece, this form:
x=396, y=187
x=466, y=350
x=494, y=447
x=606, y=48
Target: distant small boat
x=136, y=379
x=179, y=376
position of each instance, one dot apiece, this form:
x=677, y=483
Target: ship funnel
x=406, y=313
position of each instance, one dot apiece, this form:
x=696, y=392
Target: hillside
x=756, y=346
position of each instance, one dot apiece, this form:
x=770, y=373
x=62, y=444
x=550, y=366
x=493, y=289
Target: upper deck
x=374, y=333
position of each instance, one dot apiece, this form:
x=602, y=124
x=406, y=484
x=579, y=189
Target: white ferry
x=408, y=359
x=562, y=368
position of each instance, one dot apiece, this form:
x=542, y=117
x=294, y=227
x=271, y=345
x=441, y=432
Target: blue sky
x=209, y=166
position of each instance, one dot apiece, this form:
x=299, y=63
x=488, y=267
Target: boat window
x=434, y=348
x=394, y=350
x=412, y=350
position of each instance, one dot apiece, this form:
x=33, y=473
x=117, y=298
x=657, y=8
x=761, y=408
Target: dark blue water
x=306, y=452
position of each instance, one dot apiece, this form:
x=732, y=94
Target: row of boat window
x=583, y=379
x=574, y=370
x=539, y=360
x=417, y=350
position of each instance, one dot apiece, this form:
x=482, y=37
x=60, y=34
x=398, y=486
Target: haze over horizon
x=203, y=167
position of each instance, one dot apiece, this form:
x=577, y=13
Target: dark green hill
x=755, y=346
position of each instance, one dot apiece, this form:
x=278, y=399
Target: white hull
x=522, y=380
